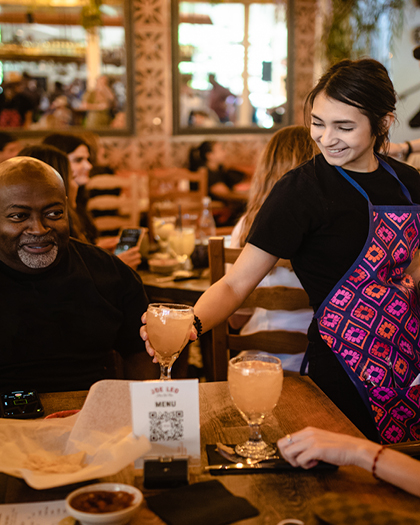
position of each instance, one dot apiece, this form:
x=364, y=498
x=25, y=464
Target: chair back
x=118, y=203
x=269, y=298
x=178, y=186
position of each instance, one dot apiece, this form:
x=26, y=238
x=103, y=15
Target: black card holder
x=165, y=473
x=275, y=465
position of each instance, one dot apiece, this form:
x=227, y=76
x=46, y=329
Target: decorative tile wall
x=154, y=145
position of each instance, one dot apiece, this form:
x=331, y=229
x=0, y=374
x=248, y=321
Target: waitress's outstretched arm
x=226, y=296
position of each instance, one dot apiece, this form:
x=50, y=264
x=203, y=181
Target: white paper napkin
x=102, y=429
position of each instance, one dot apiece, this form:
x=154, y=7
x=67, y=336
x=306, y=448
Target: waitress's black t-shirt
x=318, y=220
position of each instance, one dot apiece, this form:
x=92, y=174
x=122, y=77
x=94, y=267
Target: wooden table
x=184, y=292
x=277, y=496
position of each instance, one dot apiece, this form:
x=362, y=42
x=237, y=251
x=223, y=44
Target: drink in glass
x=169, y=328
x=163, y=227
x=182, y=242
x=255, y=382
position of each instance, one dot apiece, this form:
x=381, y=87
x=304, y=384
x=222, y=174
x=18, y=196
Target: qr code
x=166, y=426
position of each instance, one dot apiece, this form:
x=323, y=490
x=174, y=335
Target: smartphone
x=128, y=238
x=21, y=404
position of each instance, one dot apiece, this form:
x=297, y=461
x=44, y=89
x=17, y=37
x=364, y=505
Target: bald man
x=64, y=304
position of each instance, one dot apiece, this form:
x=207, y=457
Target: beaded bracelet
x=198, y=326
x=410, y=149
x=375, y=460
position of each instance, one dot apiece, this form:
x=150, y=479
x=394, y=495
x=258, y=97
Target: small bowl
x=165, y=266
x=119, y=517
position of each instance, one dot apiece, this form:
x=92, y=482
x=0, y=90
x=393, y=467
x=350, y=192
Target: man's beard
x=36, y=261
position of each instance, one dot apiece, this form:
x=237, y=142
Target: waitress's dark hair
x=65, y=142
x=198, y=155
x=364, y=84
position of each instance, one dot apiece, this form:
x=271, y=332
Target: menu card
x=42, y=513
x=167, y=413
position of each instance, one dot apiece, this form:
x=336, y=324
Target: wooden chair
x=269, y=298
x=178, y=186
x=112, y=212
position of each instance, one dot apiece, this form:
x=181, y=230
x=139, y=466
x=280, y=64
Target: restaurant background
x=153, y=143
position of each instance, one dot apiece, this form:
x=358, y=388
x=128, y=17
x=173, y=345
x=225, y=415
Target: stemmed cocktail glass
x=182, y=242
x=169, y=328
x=255, y=382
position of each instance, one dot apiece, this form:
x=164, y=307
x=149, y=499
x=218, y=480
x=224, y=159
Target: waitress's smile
x=343, y=134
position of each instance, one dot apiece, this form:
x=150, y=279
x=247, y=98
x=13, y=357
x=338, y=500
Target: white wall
x=405, y=73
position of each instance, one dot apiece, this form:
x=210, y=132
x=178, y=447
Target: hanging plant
x=91, y=15
x=352, y=24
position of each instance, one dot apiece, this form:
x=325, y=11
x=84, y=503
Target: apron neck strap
x=384, y=165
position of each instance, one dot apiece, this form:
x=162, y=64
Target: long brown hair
x=288, y=148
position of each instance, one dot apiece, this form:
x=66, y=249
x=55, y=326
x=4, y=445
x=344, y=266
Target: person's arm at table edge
x=310, y=445
x=402, y=149
x=226, y=295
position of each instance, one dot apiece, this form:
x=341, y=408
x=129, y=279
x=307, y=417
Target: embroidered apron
x=371, y=319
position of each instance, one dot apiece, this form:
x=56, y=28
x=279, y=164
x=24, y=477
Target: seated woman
x=310, y=445
x=287, y=149
x=78, y=153
x=221, y=180
x=59, y=161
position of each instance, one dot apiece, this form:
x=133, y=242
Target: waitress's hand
x=145, y=336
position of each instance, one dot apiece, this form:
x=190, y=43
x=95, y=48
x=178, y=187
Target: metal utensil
x=244, y=465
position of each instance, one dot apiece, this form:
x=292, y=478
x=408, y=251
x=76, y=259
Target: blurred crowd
x=25, y=102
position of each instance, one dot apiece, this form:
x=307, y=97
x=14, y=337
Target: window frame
x=177, y=129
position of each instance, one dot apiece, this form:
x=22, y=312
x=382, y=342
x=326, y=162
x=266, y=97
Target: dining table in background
x=160, y=288
x=277, y=495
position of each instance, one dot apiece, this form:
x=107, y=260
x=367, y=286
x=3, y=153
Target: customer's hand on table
x=310, y=445
x=144, y=335
x=131, y=257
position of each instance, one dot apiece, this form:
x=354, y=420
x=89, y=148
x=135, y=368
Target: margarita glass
x=255, y=382
x=169, y=328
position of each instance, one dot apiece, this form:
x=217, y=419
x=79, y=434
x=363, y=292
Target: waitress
x=349, y=222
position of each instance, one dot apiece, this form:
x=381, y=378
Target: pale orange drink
x=169, y=328
x=255, y=387
x=255, y=383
